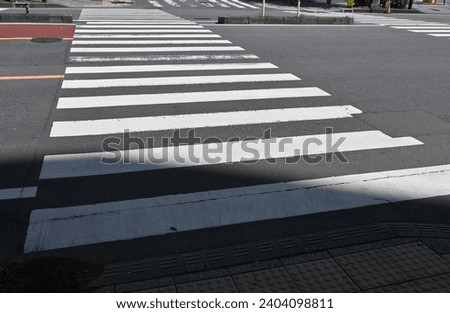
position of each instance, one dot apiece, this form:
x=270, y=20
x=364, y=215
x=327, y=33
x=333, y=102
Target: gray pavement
x=394, y=76
x=402, y=265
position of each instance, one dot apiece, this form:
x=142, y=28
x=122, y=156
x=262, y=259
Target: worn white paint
x=161, y=58
x=155, y=49
x=136, y=26
x=149, y=42
x=168, y=68
x=113, y=36
x=176, y=80
x=137, y=31
x=144, y=22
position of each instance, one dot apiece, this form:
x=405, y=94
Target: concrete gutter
x=35, y=18
x=303, y=19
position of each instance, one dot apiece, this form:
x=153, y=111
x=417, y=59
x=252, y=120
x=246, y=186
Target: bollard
x=27, y=8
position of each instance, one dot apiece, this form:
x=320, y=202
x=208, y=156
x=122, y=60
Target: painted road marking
x=189, y=121
x=135, y=26
x=172, y=3
x=440, y=35
x=137, y=31
x=168, y=68
x=150, y=42
x=90, y=164
x=220, y=4
x=174, y=80
x=89, y=224
x=162, y=58
x=244, y=4
x=146, y=36
x=143, y=22
x=18, y=193
x=154, y=49
x=429, y=31
x=236, y=5
x=155, y=3
x=188, y=97
x=421, y=27
x=34, y=77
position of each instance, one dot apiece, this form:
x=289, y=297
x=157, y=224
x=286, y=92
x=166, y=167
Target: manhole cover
x=46, y=40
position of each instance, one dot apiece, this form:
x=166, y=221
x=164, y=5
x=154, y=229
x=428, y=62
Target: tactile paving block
x=440, y=283
x=321, y=276
x=270, y=280
x=371, y=269
x=165, y=289
x=408, y=287
x=222, y=284
x=417, y=260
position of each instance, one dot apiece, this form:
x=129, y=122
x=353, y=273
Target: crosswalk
x=433, y=29
x=164, y=79
x=229, y=4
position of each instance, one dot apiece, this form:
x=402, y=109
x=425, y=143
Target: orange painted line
x=28, y=38
x=31, y=77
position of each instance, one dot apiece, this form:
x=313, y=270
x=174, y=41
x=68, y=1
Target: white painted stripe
x=137, y=26
x=439, y=35
x=430, y=31
x=176, y=80
x=188, y=97
x=155, y=58
x=188, y=3
x=125, y=220
x=18, y=193
x=91, y=164
x=408, y=24
x=244, y=4
x=220, y=4
x=130, y=31
x=149, y=42
x=172, y=3
x=155, y=3
x=168, y=68
x=421, y=27
x=157, y=123
x=152, y=20
x=233, y=4
x=154, y=49
x=146, y=36
x=145, y=22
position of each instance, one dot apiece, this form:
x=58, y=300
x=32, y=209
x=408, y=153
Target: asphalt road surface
x=297, y=129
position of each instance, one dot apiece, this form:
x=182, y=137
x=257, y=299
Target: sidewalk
x=402, y=264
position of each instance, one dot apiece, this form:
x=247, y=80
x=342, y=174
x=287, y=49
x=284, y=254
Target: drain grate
x=46, y=40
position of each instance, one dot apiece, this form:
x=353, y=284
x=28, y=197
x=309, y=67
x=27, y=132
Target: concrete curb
x=35, y=18
x=303, y=19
